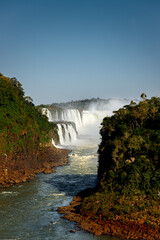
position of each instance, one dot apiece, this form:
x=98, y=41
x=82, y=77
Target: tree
x=18, y=86
x=28, y=99
x=143, y=96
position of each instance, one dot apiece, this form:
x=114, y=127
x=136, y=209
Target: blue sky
x=62, y=50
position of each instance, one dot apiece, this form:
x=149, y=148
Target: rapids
x=29, y=210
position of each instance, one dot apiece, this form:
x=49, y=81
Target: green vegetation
x=130, y=149
x=22, y=126
x=129, y=165
x=84, y=104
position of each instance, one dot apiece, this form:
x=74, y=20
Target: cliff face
x=24, y=132
x=47, y=159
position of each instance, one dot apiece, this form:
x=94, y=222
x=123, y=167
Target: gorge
x=29, y=210
x=123, y=199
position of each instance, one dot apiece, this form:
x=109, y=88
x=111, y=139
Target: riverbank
x=48, y=158
x=125, y=229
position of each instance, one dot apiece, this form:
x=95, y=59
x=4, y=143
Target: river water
x=29, y=210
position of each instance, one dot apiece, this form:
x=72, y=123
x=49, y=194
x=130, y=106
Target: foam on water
x=33, y=213
x=8, y=193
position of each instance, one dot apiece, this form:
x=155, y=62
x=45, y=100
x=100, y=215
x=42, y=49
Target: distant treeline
x=79, y=104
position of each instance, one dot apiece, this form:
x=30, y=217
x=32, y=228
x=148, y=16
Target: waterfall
x=72, y=115
x=60, y=134
x=67, y=115
x=53, y=142
x=46, y=112
x=74, y=125
x=67, y=133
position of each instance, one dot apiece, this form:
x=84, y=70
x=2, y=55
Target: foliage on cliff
x=129, y=166
x=129, y=154
x=22, y=126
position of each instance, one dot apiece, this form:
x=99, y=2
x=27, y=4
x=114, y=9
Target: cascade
x=67, y=115
x=60, y=134
x=67, y=133
x=68, y=122
x=75, y=124
x=46, y=112
x=72, y=115
x=53, y=142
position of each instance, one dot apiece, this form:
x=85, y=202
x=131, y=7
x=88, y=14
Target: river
x=29, y=210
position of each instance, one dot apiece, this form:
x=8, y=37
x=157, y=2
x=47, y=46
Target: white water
x=29, y=211
x=87, y=122
x=67, y=134
x=60, y=133
x=46, y=112
x=72, y=115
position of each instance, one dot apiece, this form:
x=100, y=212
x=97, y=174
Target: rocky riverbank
x=48, y=158
x=126, y=229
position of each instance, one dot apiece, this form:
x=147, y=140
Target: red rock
x=127, y=229
x=48, y=171
x=56, y=157
x=72, y=231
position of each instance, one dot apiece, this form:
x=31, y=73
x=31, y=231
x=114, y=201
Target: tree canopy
x=22, y=125
x=129, y=154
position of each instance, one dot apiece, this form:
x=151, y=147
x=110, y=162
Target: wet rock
x=122, y=229
x=72, y=231
x=48, y=171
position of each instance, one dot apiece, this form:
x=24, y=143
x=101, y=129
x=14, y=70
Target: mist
x=79, y=122
x=93, y=117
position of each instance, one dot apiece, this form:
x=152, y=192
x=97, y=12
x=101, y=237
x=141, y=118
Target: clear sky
x=62, y=50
